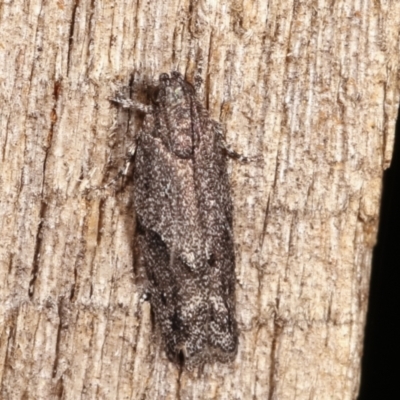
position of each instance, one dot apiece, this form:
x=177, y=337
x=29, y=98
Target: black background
x=381, y=358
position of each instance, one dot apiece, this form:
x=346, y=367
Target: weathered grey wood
x=310, y=88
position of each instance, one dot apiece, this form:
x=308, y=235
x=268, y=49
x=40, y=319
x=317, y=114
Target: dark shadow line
x=380, y=360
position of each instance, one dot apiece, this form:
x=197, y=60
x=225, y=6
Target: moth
x=184, y=223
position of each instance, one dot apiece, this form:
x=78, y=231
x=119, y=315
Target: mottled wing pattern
x=184, y=214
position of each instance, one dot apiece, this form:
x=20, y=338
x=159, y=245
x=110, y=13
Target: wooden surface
x=309, y=88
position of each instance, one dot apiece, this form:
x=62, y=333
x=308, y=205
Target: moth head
x=173, y=90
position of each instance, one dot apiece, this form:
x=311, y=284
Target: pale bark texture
x=308, y=89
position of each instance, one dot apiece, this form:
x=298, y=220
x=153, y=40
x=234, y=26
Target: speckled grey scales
x=184, y=217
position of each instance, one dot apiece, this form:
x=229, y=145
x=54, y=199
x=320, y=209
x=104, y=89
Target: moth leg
x=198, y=83
x=112, y=183
x=225, y=147
x=233, y=154
x=129, y=104
x=122, y=173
